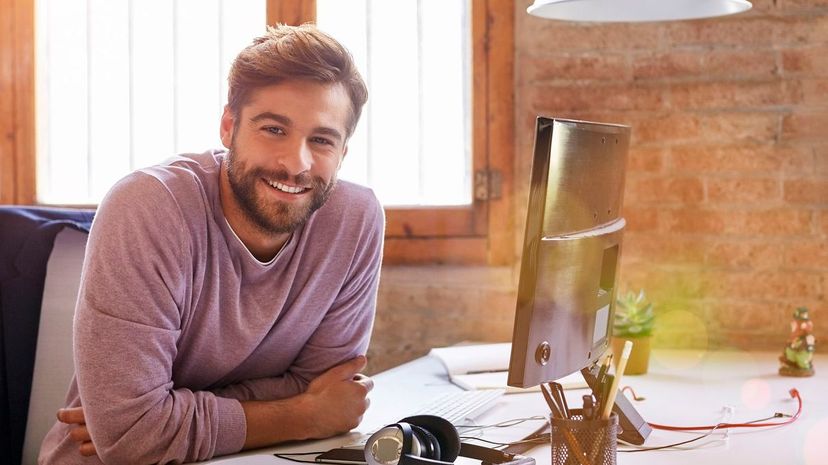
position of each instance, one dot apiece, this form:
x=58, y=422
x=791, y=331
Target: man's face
x=286, y=147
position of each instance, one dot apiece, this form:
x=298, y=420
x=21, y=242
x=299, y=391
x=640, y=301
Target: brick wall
x=727, y=183
x=727, y=186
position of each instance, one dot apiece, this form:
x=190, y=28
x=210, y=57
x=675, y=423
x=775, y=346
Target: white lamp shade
x=635, y=10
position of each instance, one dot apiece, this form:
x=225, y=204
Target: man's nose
x=298, y=158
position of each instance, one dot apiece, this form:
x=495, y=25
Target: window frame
x=480, y=234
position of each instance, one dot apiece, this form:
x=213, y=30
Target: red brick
x=726, y=31
x=823, y=223
x=542, y=35
x=785, y=284
x=557, y=98
x=664, y=190
x=801, y=6
x=724, y=127
x=666, y=127
x=805, y=125
x=742, y=63
x=811, y=254
x=743, y=190
x=762, y=7
x=645, y=159
x=741, y=315
x=668, y=65
x=821, y=159
x=814, y=91
x=807, y=191
x=739, y=158
x=773, y=222
x=640, y=218
x=742, y=94
x=694, y=220
x=573, y=66
x=803, y=29
x=741, y=255
x=810, y=61
x=656, y=249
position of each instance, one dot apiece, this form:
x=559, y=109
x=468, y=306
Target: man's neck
x=261, y=245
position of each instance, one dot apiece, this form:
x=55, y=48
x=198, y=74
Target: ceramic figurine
x=797, y=359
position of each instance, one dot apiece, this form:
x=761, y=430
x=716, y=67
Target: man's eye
x=322, y=140
x=273, y=130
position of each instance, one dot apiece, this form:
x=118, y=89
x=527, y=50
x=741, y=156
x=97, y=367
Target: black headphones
x=417, y=440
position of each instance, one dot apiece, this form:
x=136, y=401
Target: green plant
x=633, y=316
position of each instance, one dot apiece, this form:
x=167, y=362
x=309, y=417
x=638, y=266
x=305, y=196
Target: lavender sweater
x=176, y=322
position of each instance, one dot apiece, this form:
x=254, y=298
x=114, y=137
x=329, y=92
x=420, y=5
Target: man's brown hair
x=295, y=52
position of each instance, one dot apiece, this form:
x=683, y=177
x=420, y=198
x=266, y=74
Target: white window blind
x=124, y=84
x=413, y=144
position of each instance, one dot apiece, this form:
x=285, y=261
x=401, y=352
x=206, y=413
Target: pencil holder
x=576, y=441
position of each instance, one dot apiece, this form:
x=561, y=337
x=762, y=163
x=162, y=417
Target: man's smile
x=286, y=188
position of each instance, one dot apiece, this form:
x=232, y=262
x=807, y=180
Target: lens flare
x=756, y=394
x=815, y=451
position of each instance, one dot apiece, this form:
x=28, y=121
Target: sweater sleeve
x=127, y=326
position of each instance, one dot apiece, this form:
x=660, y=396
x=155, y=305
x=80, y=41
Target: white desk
x=682, y=388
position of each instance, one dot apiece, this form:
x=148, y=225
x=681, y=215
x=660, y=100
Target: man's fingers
x=80, y=434
x=71, y=415
x=365, y=381
x=87, y=449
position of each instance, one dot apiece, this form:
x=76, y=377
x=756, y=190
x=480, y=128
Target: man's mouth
x=285, y=188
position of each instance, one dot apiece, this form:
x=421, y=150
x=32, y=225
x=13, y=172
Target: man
x=227, y=298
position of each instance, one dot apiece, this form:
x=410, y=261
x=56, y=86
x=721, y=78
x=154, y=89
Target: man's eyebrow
x=329, y=132
x=274, y=116
x=267, y=115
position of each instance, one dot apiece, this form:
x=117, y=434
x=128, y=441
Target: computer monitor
x=571, y=255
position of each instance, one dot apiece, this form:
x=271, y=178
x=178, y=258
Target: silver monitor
x=571, y=249
x=571, y=254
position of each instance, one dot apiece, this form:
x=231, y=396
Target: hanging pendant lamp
x=635, y=10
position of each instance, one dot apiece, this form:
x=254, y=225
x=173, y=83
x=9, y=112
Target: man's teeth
x=286, y=188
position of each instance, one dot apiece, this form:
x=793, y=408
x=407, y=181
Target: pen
x=588, y=406
x=570, y=438
x=557, y=388
x=548, y=396
x=619, y=372
x=478, y=372
x=604, y=367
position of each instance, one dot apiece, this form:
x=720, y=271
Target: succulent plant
x=633, y=315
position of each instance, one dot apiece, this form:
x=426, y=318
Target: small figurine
x=797, y=359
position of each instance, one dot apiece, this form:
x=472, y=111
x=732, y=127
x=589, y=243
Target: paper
x=485, y=366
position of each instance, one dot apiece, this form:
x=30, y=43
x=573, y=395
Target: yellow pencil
x=619, y=371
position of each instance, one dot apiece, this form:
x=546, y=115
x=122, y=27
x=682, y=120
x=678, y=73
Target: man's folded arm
x=127, y=326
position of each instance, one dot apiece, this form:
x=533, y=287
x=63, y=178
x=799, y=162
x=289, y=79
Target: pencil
x=619, y=372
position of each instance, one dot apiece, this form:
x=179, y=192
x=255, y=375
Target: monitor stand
x=633, y=428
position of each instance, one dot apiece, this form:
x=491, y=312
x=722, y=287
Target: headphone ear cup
x=430, y=446
x=446, y=434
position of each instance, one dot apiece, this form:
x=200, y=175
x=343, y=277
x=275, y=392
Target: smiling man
x=227, y=298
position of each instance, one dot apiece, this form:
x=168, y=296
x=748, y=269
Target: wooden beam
x=25, y=133
x=293, y=12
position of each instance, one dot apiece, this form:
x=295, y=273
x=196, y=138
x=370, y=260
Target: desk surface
x=682, y=388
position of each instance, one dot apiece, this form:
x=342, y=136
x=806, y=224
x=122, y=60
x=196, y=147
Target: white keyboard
x=458, y=407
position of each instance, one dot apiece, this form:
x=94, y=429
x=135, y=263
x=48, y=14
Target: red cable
x=793, y=392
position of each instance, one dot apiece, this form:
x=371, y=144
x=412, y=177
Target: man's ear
x=228, y=124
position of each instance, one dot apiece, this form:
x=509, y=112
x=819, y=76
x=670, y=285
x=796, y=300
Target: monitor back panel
x=571, y=249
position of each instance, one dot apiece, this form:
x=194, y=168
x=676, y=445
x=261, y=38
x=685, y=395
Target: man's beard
x=270, y=215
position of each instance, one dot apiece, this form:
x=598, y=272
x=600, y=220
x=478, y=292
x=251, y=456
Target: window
x=476, y=226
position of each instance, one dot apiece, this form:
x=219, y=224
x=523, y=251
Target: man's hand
x=339, y=397
x=333, y=403
x=78, y=432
